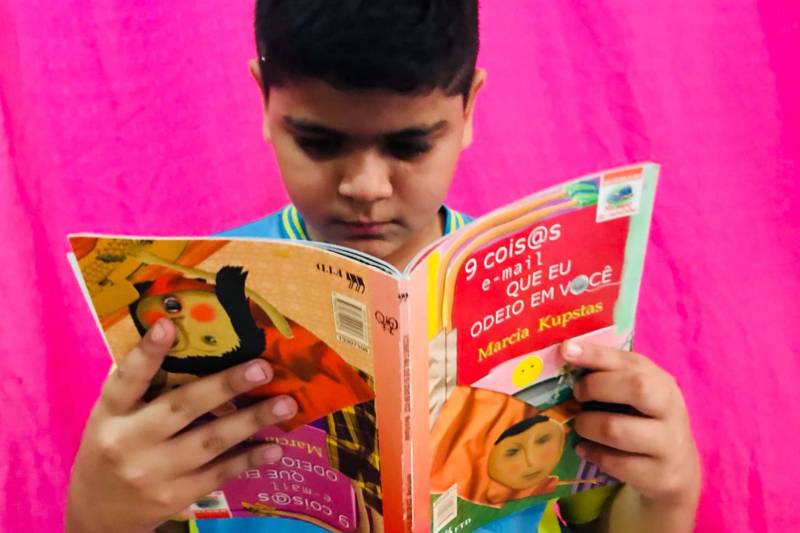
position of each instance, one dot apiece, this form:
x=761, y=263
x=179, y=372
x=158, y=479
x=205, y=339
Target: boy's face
x=368, y=169
x=526, y=460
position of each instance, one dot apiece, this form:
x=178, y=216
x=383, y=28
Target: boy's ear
x=477, y=82
x=255, y=71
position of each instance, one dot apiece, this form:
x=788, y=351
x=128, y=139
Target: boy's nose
x=366, y=178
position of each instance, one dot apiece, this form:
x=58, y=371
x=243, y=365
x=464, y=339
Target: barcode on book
x=445, y=508
x=350, y=319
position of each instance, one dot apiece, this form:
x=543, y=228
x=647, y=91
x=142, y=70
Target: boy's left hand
x=654, y=451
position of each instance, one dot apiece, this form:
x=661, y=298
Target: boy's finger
x=228, y=466
x=643, y=391
x=596, y=357
x=124, y=388
x=171, y=412
x=195, y=448
x=626, y=433
x=626, y=466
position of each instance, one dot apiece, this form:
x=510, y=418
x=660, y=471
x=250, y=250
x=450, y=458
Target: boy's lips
x=363, y=229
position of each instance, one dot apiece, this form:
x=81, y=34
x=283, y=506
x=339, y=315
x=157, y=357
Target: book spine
x=393, y=373
x=405, y=405
x=416, y=365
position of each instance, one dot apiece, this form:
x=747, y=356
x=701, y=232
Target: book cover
x=307, y=311
x=432, y=399
x=500, y=297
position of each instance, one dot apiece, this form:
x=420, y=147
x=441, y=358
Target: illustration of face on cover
x=497, y=448
x=525, y=454
x=220, y=323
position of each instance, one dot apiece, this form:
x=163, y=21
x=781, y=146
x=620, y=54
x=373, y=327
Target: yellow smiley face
x=527, y=371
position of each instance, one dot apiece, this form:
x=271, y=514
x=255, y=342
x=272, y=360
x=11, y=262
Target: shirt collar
x=293, y=226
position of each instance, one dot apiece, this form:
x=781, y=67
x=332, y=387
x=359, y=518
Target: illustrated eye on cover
x=172, y=305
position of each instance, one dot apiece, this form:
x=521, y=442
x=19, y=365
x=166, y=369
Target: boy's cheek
x=310, y=190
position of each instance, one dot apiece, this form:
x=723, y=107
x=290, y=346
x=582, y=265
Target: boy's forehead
x=361, y=112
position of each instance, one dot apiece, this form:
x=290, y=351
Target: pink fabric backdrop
x=141, y=117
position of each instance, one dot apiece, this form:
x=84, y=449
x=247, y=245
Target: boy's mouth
x=367, y=229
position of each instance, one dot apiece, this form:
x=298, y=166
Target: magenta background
x=141, y=117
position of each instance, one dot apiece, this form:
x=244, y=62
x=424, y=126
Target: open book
x=430, y=399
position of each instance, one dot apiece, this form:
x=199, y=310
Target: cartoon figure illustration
x=215, y=328
x=221, y=323
x=497, y=448
x=527, y=371
x=524, y=455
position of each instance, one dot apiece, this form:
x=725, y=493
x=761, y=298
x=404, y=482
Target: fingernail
x=157, y=332
x=580, y=451
x=272, y=454
x=284, y=407
x=572, y=349
x=255, y=374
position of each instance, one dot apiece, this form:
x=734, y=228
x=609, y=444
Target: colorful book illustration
x=430, y=399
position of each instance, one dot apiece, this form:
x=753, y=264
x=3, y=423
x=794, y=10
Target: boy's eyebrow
x=313, y=128
x=418, y=131
x=307, y=126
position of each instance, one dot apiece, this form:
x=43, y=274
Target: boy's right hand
x=135, y=468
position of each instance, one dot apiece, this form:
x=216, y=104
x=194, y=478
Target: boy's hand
x=135, y=468
x=652, y=451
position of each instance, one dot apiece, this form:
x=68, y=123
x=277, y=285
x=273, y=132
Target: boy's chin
x=380, y=248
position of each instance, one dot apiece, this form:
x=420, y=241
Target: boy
x=367, y=105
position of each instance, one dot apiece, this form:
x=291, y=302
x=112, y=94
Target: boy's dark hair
x=407, y=46
x=519, y=427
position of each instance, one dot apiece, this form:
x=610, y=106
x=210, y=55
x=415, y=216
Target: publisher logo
x=213, y=505
x=620, y=194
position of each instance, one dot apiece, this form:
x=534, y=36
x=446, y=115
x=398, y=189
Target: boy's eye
x=406, y=150
x=319, y=147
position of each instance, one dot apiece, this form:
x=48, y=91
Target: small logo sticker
x=214, y=505
x=620, y=194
